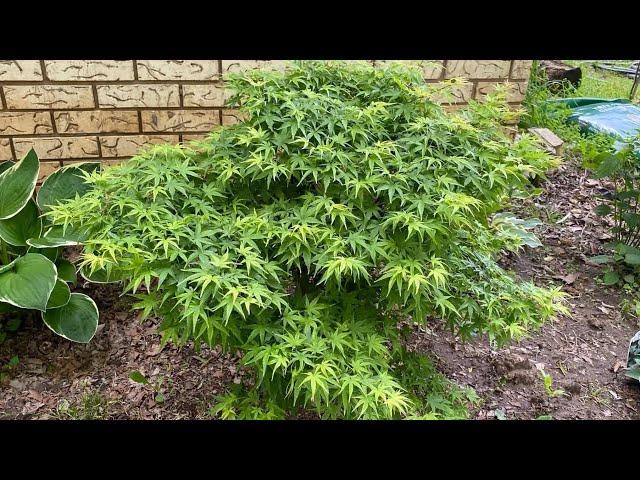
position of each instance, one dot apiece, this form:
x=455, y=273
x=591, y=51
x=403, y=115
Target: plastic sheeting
x=618, y=117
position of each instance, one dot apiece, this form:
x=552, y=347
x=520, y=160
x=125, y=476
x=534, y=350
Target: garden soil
x=584, y=353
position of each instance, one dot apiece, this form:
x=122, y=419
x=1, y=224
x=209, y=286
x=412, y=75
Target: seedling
x=548, y=386
x=138, y=377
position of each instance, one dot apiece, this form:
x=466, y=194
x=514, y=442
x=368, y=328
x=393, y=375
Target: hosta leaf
x=17, y=184
x=25, y=224
x=50, y=242
x=59, y=295
x=64, y=184
x=76, y=321
x=633, y=372
x=66, y=271
x=5, y=165
x=27, y=282
x=69, y=233
x=50, y=253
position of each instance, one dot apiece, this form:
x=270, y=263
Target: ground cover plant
x=348, y=204
x=34, y=276
x=537, y=112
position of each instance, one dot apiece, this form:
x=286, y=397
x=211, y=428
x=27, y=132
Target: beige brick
x=521, y=69
x=178, y=70
x=51, y=148
x=48, y=96
x=111, y=162
x=517, y=90
x=25, y=123
x=20, y=70
x=89, y=70
x=458, y=93
x=5, y=150
x=128, y=96
x=197, y=136
x=180, y=120
x=229, y=66
x=97, y=121
x=71, y=161
x=454, y=107
x=231, y=117
x=212, y=95
x=46, y=169
x=431, y=69
x=127, y=146
x=477, y=69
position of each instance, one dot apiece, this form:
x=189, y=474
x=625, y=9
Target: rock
x=595, y=322
x=522, y=377
x=574, y=388
x=17, y=384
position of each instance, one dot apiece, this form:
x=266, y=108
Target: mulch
x=584, y=352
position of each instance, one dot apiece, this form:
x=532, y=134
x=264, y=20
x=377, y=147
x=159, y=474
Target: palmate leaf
x=27, y=282
x=76, y=321
x=64, y=184
x=22, y=226
x=17, y=184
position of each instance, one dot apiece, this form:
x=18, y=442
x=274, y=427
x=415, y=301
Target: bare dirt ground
x=59, y=379
x=584, y=353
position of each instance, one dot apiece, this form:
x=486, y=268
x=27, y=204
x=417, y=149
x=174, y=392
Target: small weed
x=548, y=386
x=598, y=394
x=5, y=369
x=156, y=386
x=562, y=366
x=544, y=417
x=92, y=406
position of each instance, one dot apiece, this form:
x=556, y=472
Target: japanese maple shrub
x=348, y=202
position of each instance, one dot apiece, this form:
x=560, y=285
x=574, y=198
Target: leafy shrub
x=33, y=274
x=348, y=202
x=621, y=203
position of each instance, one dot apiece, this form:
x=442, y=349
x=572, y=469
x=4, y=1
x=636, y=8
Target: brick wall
x=104, y=110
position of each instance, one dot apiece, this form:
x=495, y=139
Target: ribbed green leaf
x=26, y=224
x=27, y=282
x=76, y=321
x=64, y=184
x=66, y=271
x=17, y=184
x=50, y=242
x=60, y=295
x=5, y=165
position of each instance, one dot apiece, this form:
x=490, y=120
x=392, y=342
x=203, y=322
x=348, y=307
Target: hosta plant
x=346, y=206
x=633, y=358
x=33, y=273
